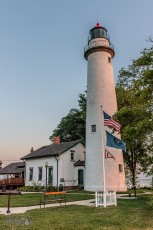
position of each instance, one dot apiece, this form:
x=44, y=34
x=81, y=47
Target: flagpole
x=103, y=152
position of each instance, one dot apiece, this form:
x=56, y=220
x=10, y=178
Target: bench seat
x=53, y=197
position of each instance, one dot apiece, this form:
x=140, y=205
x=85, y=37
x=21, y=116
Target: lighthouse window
x=120, y=168
x=93, y=128
x=109, y=60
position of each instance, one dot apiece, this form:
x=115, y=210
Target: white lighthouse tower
x=101, y=173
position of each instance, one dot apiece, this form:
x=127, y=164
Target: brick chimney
x=31, y=150
x=0, y=164
x=56, y=140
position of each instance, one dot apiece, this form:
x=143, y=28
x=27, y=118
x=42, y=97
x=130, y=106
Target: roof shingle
x=51, y=150
x=13, y=168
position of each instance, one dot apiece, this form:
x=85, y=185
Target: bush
x=24, y=188
x=35, y=188
x=51, y=188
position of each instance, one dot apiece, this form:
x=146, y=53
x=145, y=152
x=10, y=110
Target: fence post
x=96, y=199
x=104, y=198
x=115, y=199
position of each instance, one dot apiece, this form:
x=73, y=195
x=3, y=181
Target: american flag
x=108, y=121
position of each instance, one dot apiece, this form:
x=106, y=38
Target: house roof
x=51, y=150
x=13, y=168
x=79, y=163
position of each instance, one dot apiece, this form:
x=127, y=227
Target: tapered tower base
x=101, y=173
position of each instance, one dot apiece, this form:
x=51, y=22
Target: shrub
x=37, y=188
x=34, y=188
x=51, y=188
x=24, y=188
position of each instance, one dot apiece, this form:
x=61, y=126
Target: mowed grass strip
x=129, y=214
x=31, y=199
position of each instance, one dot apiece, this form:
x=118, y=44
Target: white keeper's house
x=56, y=164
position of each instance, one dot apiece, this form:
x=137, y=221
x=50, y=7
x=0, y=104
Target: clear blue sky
x=42, y=69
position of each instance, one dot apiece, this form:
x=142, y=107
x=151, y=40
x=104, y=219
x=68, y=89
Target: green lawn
x=129, y=214
x=141, y=190
x=31, y=199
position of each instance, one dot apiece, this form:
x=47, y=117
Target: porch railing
x=12, y=181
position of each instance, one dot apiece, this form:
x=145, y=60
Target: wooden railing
x=12, y=181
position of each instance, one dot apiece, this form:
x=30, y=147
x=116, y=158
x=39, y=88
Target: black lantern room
x=98, y=32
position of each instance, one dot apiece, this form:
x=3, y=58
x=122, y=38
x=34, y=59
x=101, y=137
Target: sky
x=42, y=68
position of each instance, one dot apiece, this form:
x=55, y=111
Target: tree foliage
x=135, y=112
x=72, y=126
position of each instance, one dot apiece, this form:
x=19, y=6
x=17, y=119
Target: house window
x=30, y=173
x=120, y=168
x=109, y=60
x=39, y=173
x=72, y=155
x=93, y=128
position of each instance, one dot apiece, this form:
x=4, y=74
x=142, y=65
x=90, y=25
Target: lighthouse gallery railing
x=98, y=43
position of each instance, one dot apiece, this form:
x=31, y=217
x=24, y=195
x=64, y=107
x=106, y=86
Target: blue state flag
x=114, y=142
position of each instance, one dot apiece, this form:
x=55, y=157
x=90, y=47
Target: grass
x=128, y=215
x=31, y=199
x=80, y=191
x=141, y=190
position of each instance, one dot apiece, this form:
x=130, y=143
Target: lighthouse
x=100, y=172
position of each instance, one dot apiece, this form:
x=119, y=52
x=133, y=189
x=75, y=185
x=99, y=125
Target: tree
x=72, y=126
x=135, y=112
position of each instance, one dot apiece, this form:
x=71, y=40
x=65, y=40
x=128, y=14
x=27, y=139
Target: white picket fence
x=107, y=198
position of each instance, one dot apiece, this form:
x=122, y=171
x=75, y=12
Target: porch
x=12, y=182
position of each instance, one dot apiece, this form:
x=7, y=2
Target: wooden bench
x=53, y=197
